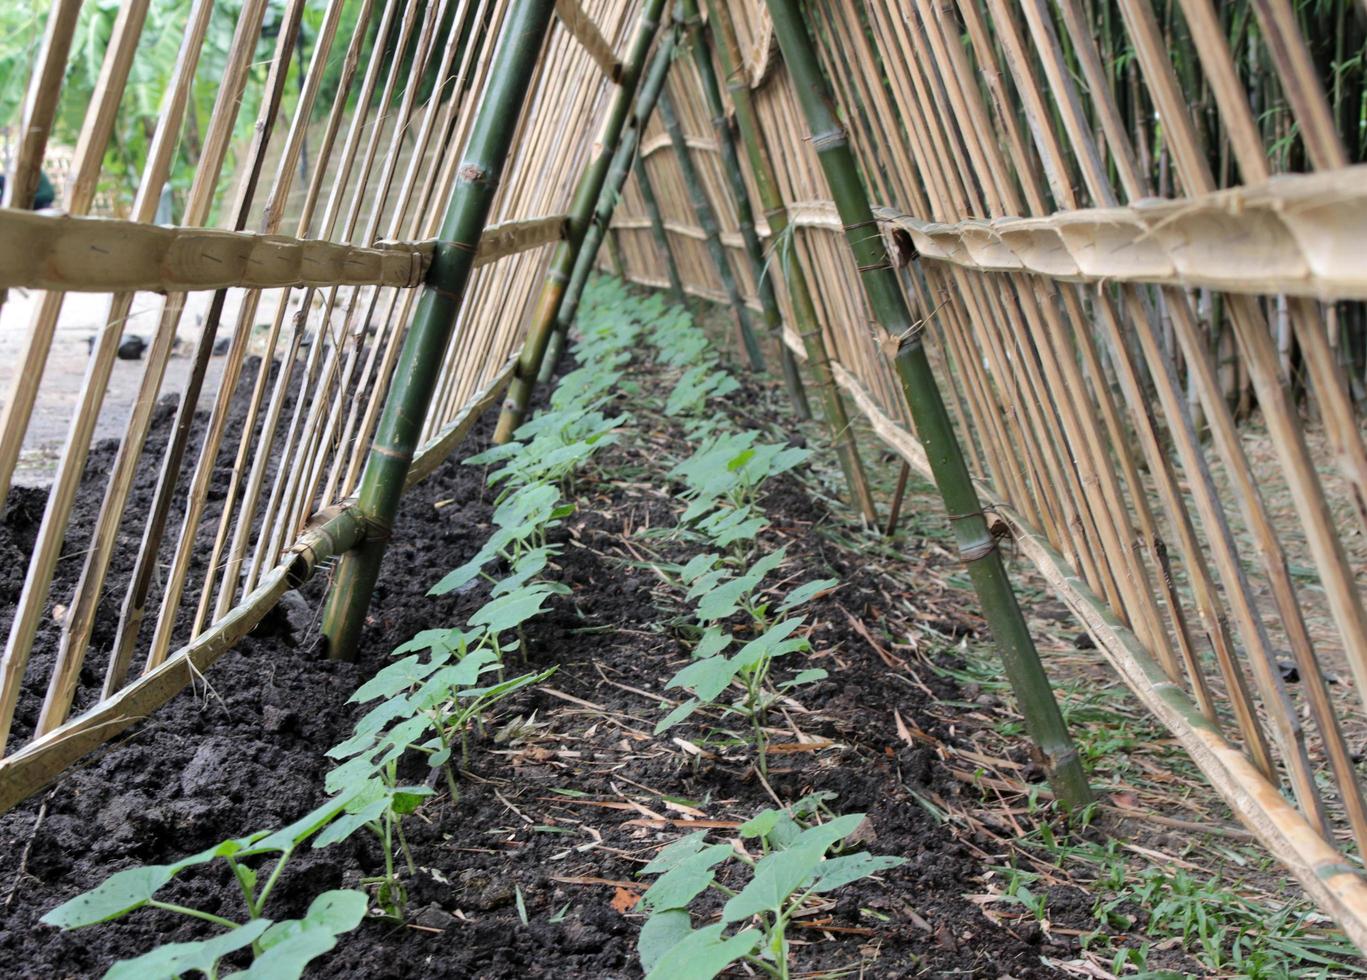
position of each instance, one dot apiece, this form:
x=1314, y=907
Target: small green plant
x=794, y=864
x=720, y=596
x=280, y=949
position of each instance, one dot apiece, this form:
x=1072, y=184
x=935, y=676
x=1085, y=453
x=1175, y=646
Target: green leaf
x=496, y=692
x=670, y=855
x=706, y=582
x=528, y=565
x=661, y=933
x=773, y=642
x=409, y=798
x=686, y=880
x=809, y=676
x=705, y=678
x=177, y=959
x=777, y=877
x=831, y=832
x=761, y=823
x=713, y=642
x=448, y=681
x=839, y=871
x=724, y=600
x=294, y=834
x=677, y=715
x=463, y=575
x=398, y=676
x=697, y=565
x=531, y=505
x=289, y=947
x=703, y=954
x=807, y=592
x=347, y=824
x=117, y=895
x=439, y=641
x=512, y=610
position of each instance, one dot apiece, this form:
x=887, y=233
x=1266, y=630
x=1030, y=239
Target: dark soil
x=524, y=877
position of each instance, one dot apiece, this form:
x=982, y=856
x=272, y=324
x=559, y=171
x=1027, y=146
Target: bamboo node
x=829, y=140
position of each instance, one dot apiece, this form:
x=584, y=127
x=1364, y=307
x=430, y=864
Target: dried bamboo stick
x=585, y=197
x=80, y=192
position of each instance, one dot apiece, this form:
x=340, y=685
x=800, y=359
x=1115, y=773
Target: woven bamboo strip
x=1293, y=234
x=578, y=22
x=99, y=255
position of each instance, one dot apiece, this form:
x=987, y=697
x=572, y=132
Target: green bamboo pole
x=415, y=375
x=580, y=212
x=601, y=221
x=706, y=217
x=977, y=547
x=805, y=320
x=745, y=215
x=657, y=228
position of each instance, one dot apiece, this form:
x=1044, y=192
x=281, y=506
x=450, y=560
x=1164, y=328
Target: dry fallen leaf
x=624, y=899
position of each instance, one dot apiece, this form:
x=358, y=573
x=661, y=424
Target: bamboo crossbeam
x=1297, y=234
x=101, y=255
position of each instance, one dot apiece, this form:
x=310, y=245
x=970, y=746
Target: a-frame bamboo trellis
x=1071, y=320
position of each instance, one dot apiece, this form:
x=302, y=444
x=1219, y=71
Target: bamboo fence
x=257, y=493
x=1074, y=316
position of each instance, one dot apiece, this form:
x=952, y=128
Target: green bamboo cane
x=611, y=194
x=581, y=210
x=745, y=215
x=657, y=228
x=806, y=322
x=420, y=360
x=706, y=217
x=977, y=547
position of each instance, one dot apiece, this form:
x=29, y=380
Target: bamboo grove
x=1092, y=267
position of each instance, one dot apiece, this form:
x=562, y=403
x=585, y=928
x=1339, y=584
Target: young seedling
x=794, y=864
x=280, y=949
x=712, y=672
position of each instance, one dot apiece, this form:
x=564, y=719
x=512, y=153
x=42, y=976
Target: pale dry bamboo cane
x=421, y=218
x=87, y=160
x=261, y=449
x=1226, y=436
x=80, y=619
x=40, y=104
x=184, y=548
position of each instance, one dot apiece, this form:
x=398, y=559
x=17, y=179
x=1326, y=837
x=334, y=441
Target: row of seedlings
x=426, y=703
x=780, y=858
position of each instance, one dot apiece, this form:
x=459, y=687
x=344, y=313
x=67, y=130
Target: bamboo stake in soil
x=657, y=229
x=805, y=319
x=406, y=407
x=977, y=546
x=745, y=216
x=706, y=216
x=581, y=210
x=618, y=171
